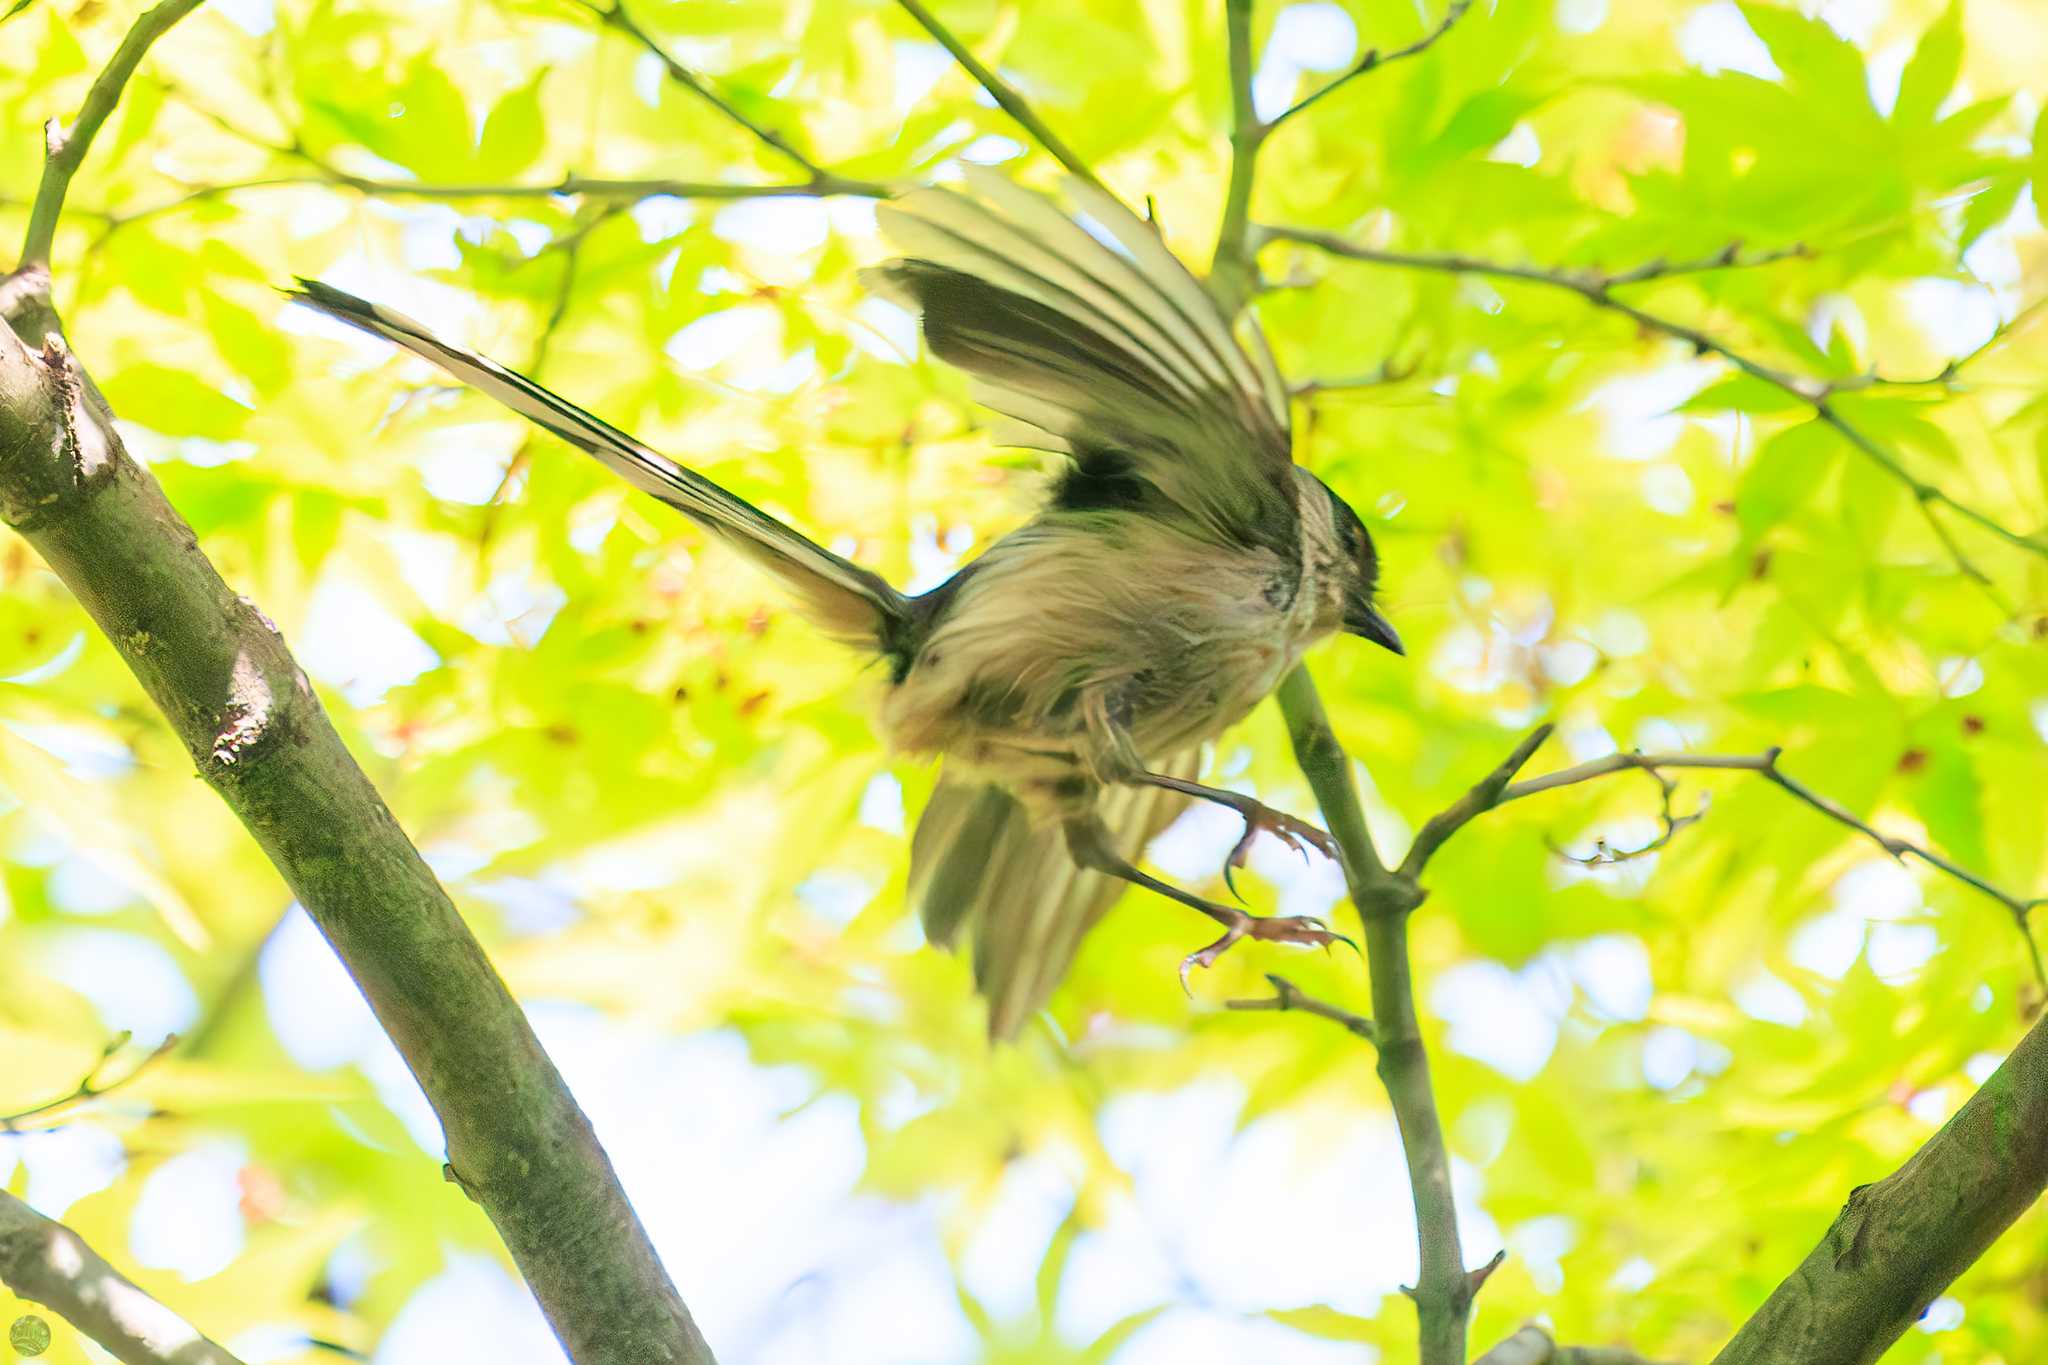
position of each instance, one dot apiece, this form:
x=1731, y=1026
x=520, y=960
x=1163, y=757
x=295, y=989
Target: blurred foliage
x=570, y=700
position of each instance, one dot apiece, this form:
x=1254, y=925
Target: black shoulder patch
x=1102, y=478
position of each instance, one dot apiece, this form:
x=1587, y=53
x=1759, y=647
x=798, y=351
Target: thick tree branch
x=46, y=1263
x=221, y=674
x=1288, y=996
x=1898, y=1244
x=1598, y=291
x=1444, y=1289
x=65, y=148
x=232, y=692
x=1765, y=765
x=1001, y=91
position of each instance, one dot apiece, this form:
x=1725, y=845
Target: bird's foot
x=1297, y=834
x=1300, y=929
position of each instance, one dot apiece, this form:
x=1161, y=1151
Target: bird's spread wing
x=1090, y=334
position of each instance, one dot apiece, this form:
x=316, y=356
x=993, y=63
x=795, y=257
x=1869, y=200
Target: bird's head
x=1340, y=553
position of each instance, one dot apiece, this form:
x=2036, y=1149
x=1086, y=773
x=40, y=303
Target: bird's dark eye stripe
x=1350, y=530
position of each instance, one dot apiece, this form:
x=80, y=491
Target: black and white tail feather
x=845, y=601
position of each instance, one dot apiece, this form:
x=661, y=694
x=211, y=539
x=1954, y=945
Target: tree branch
x=1375, y=59
x=1002, y=92
x=1597, y=290
x=65, y=148
x=1487, y=793
x=224, y=679
x=1288, y=996
x=91, y=1086
x=1231, y=274
x=1898, y=1243
x=1765, y=765
x=46, y=1263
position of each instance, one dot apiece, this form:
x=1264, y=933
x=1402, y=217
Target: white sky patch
x=1539, y=1247
x=1897, y=952
x=1765, y=997
x=254, y=17
x=834, y=896
x=466, y=463
x=881, y=804
x=1633, y=1275
x=79, y=886
x=1581, y=16
x=1196, y=1336
x=351, y=641
x=1980, y=1066
x=313, y=1005
x=1568, y=662
x=788, y=226
x=884, y=330
x=1498, y=1017
x=1828, y=944
x=1636, y=410
x=919, y=67
x=515, y=608
x=1614, y=972
x=1957, y=317
x=1931, y=1107
x=1667, y=488
x=1945, y=1314
x=1878, y=889
x=64, y=1164
x=132, y=981
x=2037, y=712
x=1521, y=147
x=1669, y=1056
x=1717, y=38
x=472, y=1313
x=188, y=1217
x=661, y=216
x=1316, y=37
x=992, y=149
x=1959, y=676
x=1000, y=1264
x=648, y=74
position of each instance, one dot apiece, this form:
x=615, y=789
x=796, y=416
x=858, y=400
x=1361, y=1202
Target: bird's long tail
x=978, y=865
x=842, y=599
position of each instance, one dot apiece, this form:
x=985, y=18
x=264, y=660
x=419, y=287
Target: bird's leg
x=1090, y=845
x=1117, y=760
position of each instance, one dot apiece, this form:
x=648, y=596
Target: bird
x=1068, y=677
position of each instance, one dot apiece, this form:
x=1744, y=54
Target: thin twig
x=1604, y=855
x=1001, y=91
x=1287, y=996
x=91, y=1087
x=1597, y=290
x=1487, y=793
x=1765, y=765
x=66, y=147
x=615, y=16
x=1375, y=59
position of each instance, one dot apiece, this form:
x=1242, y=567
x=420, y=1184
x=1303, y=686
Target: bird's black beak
x=1363, y=619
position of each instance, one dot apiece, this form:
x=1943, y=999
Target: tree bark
x=517, y=1143
x=47, y=1263
x=1898, y=1243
